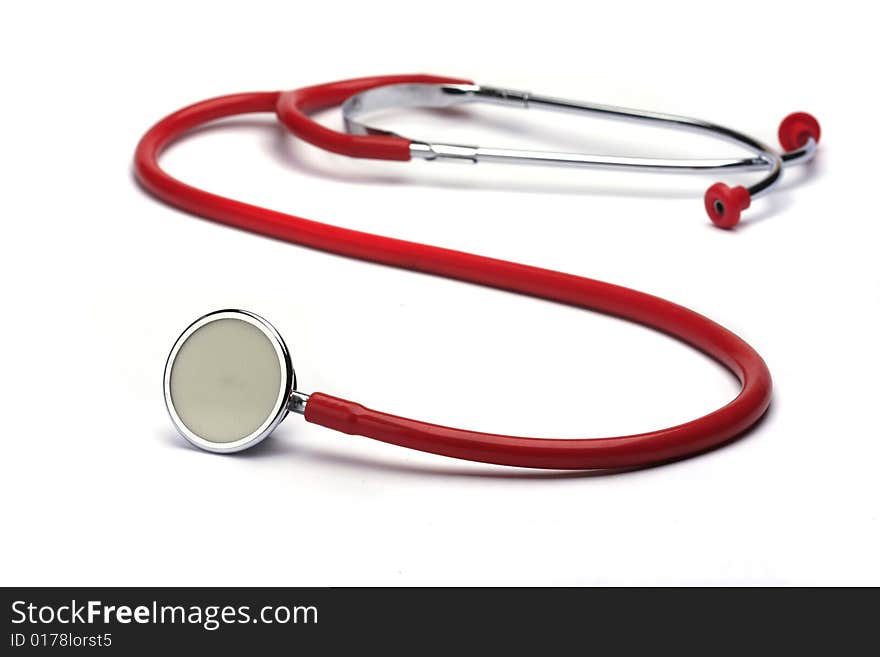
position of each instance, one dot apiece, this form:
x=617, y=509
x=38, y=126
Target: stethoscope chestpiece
x=229, y=381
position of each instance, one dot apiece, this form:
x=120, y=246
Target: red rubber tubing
x=641, y=449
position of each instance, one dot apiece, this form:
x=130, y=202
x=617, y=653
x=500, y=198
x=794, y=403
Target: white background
x=99, y=278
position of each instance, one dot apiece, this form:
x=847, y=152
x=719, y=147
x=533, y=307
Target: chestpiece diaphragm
x=228, y=380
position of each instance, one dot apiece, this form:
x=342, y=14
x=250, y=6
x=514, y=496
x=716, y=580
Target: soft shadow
x=281, y=445
x=779, y=198
x=764, y=208
x=270, y=447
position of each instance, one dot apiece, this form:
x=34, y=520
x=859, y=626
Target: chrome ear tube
x=229, y=381
x=798, y=133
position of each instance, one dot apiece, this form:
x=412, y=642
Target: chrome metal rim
x=280, y=407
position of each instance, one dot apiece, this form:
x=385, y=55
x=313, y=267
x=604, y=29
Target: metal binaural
x=447, y=95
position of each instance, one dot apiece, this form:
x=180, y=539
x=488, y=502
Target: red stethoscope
x=229, y=381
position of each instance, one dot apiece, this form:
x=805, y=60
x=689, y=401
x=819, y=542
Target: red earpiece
x=796, y=129
x=724, y=204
